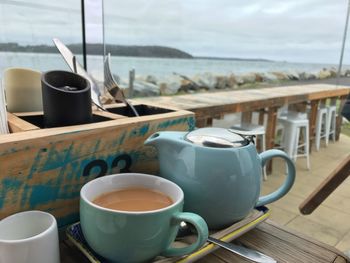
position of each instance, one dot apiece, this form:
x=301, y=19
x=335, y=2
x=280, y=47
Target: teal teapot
x=219, y=171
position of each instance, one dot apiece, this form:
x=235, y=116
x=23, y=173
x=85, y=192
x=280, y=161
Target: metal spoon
x=244, y=252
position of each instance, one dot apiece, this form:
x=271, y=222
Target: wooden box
x=44, y=169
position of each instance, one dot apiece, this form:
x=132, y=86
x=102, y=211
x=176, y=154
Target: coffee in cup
x=134, y=199
x=138, y=233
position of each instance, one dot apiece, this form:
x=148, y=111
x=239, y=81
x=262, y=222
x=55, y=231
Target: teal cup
x=126, y=236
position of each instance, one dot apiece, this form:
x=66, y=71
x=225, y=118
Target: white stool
x=331, y=122
x=281, y=118
x=293, y=128
x=251, y=129
x=321, y=126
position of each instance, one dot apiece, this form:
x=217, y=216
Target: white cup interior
x=25, y=225
x=110, y=183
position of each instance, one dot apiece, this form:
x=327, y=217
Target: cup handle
x=287, y=184
x=202, y=234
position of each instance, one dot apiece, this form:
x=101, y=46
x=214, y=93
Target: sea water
x=158, y=67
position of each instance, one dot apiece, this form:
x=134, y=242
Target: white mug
x=30, y=237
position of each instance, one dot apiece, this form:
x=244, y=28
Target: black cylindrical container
x=66, y=99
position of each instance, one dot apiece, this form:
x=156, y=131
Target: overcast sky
x=299, y=30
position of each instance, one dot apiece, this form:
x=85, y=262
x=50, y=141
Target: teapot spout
x=166, y=138
x=153, y=139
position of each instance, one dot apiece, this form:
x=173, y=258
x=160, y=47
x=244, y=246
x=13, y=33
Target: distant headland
x=115, y=50
x=97, y=49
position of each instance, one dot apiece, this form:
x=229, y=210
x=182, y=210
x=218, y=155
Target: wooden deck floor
x=329, y=223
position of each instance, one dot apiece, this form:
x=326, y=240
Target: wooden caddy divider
x=45, y=168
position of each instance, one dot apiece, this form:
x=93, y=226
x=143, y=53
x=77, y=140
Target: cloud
x=308, y=30
x=293, y=30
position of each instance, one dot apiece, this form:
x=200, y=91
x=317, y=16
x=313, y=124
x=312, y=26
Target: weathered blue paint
x=169, y=123
x=9, y=185
x=43, y=194
x=139, y=131
x=117, y=141
x=25, y=193
x=53, y=160
x=121, y=138
x=144, y=129
x=97, y=145
x=74, y=165
x=33, y=169
x=50, y=192
x=109, y=159
x=56, y=158
x=8, y=151
x=2, y=197
x=69, y=192
x=191, y=123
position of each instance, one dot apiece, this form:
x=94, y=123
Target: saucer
x=257, y=216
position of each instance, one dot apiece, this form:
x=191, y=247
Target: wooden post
x=261, y=116
x=246, y=117
x=270, y=132
x=200, y=123
x=339, y=120
x=271, y=127
x=209, y=122
x=131, y=82
x=204, y=122
x=312, y=121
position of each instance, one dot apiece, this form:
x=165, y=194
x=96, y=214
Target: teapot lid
x=217, y=138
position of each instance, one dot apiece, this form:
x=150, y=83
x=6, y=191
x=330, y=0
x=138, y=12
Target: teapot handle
x=287, y=184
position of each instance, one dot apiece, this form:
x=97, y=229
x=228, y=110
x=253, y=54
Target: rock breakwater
x=178, y=84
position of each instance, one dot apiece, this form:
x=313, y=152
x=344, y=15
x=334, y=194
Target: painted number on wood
x=102, y=165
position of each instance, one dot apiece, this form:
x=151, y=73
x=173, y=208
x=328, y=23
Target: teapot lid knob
x=217, y=138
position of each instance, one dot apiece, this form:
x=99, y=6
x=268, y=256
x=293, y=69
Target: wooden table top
x=283, y=244
x=211, y=103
